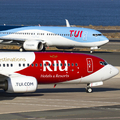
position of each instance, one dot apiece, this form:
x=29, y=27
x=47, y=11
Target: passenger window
x=64, y=64
x=19, y=65
x=23, y=65
x=3, y=65
x=32, y=65
x=72, y=64
x=68, y=64
x=7, y=65
x=44, y=64
x=11, y=65
x=76, y=64
x=61, y=64
x=28, y=65
x=36, y=64
x=40, y=64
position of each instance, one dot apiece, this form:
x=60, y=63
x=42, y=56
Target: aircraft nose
x=104, y=39
x=113, y=71
x=107, y=40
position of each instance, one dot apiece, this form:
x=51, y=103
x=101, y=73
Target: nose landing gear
x=88, y=89
x=91, y=51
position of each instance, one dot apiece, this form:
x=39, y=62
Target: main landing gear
x=88, y=89
x=21, y=49
x=44, y=48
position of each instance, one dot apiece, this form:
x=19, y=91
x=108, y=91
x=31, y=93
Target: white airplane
x=22, y=71
x=37, y=38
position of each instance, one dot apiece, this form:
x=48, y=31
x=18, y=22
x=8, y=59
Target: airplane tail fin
x=67, y=23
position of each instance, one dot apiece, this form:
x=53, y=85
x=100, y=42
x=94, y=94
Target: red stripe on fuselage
x=53, y=74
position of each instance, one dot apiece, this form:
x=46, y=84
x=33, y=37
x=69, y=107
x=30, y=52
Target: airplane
x=37, y=38
x=21, y=72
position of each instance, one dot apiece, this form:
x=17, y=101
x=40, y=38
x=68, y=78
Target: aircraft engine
x=21, y=84
x=33, y=45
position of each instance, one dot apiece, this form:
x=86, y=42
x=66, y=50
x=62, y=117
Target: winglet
x=67, y=23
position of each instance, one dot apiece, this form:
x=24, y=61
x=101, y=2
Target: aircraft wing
x=11, y=40
x=15, y=40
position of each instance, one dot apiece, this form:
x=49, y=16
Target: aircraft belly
x=60, y=42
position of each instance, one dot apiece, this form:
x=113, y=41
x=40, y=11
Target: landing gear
x=91, y=51
x=21, y=49
x=88, y=89
x=44, y=49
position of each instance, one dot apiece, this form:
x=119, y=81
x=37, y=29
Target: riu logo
x=57, y=65
x=76, y=33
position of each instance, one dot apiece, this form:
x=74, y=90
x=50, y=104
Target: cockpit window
x=97, y=35
x=103, y=63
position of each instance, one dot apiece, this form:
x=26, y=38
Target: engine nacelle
x=33, y=45
x=21, y=84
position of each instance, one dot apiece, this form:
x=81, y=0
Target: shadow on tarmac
x=63, y=90
x=10, y=96
x=62, y=50
x=40, y=92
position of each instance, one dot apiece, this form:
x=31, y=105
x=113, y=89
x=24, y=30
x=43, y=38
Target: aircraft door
x=89, y=65
x=85, y=35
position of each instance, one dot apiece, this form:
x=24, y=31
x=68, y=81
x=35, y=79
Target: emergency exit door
x=89, y=65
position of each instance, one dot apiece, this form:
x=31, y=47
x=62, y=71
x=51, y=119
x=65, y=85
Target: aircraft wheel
x=91, y=51
x=89, y=90
x=21, y=49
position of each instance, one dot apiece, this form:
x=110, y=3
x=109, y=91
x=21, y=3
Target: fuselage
x=23, y=71
x=60, y=37
x=56, y=67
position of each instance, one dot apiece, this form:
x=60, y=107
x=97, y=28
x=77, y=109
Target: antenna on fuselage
x=67, y=23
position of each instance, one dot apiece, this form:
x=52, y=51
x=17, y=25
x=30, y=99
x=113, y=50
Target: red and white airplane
x=22, y=72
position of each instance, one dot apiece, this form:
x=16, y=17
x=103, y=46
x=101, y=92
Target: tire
x=21, y=49
x=89, y=90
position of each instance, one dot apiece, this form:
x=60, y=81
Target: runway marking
x=60, y=101
x=58, y=105
x=71, y=100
